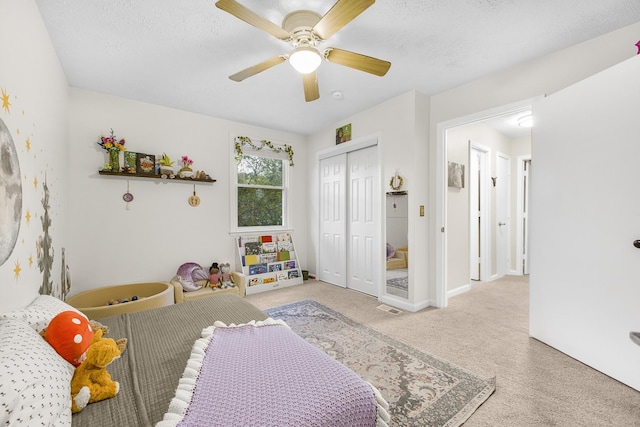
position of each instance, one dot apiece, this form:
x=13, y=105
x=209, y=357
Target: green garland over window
x=242, y=141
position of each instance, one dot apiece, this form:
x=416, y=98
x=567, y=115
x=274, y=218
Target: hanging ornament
x=194, y=200
x=127, y=197
x=396, y=182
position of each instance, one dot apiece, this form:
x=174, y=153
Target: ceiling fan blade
x=310, y=83
x=258, y=68
x=357, y=61
x=241, y=12
x=340, y=14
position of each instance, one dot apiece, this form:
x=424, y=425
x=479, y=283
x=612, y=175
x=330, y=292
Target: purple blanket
x=263, y=374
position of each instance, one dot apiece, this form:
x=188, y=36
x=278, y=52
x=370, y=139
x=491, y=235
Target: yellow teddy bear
x=91, y=382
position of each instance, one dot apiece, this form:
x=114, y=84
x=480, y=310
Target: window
x=261, y=191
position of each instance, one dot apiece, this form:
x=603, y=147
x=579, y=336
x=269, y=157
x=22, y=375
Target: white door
x=363, y=257
x=503, y=221
x=478, y=238
x=585, y=217
x=333, y=220
x=526, y=182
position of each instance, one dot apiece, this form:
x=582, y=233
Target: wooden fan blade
x=258, y=68
x=241, y=12
x=340, y=14
x=358, y=61
x=310, y=83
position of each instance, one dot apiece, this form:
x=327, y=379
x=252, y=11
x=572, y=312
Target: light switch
x=421, y=210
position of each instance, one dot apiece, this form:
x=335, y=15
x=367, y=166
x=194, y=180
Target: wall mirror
x=397, y=214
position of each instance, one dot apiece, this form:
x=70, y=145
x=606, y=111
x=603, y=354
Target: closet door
x=333, y=220
x=363, y=257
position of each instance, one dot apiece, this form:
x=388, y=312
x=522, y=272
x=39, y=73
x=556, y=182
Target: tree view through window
x=261, y=192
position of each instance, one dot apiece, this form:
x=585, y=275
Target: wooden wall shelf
x=139, y=175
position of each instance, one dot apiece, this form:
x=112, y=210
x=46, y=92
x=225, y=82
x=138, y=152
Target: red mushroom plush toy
x=70, y=334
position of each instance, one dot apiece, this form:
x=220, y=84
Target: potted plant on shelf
x=166, y=166
x=186, y=171
x=113, y=146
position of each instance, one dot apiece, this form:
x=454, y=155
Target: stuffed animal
x=226, y=281
x=191, y=275
x=91, y=382
x=214, y=275
x=70, y=334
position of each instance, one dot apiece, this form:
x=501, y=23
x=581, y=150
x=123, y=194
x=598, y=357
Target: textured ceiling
x=180, y=53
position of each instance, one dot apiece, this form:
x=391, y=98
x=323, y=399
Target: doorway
x=453, y=256
x=350, y=219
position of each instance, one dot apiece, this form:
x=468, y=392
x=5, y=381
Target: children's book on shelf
x=267, y=258
x=253, y=248
x=275, y=266
x=284, y=256
x=258, y=269
x=288, y=265
x=250, y=259
x=253, y=281
x=293, y=274
x=285, y=246
x=269, y=247
x=269, y=280
x=282, y=275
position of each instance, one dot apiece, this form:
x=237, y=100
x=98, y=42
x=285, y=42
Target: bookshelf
x=268, y=261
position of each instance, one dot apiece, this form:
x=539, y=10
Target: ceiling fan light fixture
x=305, y=59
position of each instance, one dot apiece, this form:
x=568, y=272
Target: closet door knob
x=636, y=243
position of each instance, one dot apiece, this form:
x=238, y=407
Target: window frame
x=285, y=188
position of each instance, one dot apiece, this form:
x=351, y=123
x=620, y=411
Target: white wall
x=32, y=77
x=160, y=231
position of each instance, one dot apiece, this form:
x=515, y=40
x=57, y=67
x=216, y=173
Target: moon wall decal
x=10, y=194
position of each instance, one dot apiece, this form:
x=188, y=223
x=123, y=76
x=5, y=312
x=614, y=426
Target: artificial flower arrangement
x=111, y=143
x=186, y=171
x=113, y=146
x=186, y=162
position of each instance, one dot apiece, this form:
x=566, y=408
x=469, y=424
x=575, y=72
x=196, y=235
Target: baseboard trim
x=457, y=291
x=403, y=304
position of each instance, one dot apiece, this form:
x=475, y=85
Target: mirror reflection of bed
x=397, y=244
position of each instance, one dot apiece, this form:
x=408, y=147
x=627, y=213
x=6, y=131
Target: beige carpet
x=486, y=331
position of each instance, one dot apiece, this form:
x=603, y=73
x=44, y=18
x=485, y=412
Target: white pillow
x=39, y=313
x=35, y=382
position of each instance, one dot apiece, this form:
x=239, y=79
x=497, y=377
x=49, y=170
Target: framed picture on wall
x=145, y=164
x=456, y=175
x=343, y=134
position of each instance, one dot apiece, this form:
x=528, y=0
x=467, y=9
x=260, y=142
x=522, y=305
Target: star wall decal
x=17, y=270
x=5, y=101
x=35, y=182
x=31, y=260
x=27, y=144
x=27, y=216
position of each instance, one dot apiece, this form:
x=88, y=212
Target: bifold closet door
x=333, y=220
x=363, y=213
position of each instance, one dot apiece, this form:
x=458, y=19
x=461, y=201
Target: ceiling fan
x=304, y=29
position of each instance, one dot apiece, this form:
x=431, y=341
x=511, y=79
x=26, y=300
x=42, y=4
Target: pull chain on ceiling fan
x=304, y=29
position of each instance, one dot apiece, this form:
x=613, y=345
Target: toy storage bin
x=95, y=302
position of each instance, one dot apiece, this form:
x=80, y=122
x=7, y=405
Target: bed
x=161, y=342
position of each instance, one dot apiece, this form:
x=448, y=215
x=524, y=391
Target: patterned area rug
x=399, y=283
x=421, y=389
